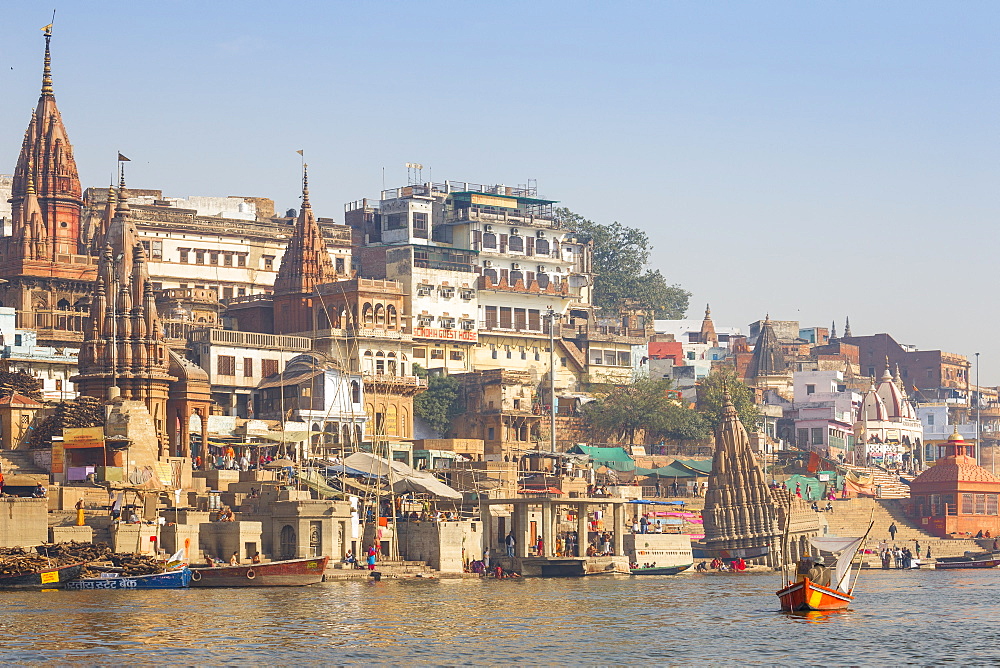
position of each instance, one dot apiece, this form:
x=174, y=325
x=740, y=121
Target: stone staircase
x=850, y=517
x=21, y=463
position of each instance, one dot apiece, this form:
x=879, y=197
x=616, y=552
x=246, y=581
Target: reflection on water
x=897, y=618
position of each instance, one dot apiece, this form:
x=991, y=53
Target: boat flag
x=176, y=560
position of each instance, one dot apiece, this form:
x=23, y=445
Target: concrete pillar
x=522, y=533
x=618, y=511
x=548, y=529
x=581, y=529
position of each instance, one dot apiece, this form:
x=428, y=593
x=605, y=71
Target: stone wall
x=23, y=522
x=444, y=546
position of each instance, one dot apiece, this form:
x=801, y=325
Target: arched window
x=516, y=244
x=288, y=545
x=516, y=276
x=355, y=392
x=357, y=433
x=63, y=305
x=369, y=365
x=392, y=364
x=391, y=317
x=380, y=315
x=368, y=314
x=543, y=280
x=391, y=425
x=347, y=434
x=542, y=246
x=380, y=362
x=492, y=275
x=489, y=240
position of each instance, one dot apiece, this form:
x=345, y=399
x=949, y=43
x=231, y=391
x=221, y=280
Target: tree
x=438, y=404
x=710, y=398
x=621, y=256
x=643, y=405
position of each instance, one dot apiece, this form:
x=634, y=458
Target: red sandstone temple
x=956, y=495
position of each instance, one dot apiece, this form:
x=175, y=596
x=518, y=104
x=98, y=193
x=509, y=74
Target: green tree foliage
x=438, y=404
x=19, y=382
x=642, y=405
x=621, y=255
x=710, y=398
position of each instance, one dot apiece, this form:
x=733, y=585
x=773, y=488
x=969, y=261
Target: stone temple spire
x=740, y=511
x=123, y=342
x=833, y=330
x=847, y=327
x=707, y=334
x=768, y=358
x=46, y=161
x=306, y=262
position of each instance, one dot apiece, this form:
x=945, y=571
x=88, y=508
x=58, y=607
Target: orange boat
x=818, y=587
x=807, y=595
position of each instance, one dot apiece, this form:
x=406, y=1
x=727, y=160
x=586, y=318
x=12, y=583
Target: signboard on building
x=83, y=437
x=442, y=334
x=487, y=200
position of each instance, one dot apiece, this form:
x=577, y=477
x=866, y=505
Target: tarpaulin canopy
x=671, y=470
x=702, y=467
x=613, y=458
x=313, y=480
x=403, y=478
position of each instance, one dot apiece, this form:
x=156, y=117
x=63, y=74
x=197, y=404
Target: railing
x=54, y=319
x=250, y=339
x=389, y=379
x=501, y=217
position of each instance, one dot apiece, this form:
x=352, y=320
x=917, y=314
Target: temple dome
x=955, y=468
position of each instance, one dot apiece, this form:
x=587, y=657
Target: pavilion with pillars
x=956, y=496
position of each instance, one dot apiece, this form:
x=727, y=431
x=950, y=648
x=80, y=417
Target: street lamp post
x=552, y=379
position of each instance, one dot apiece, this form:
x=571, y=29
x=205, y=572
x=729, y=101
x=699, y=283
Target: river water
x=898, y=618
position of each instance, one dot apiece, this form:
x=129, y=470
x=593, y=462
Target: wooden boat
x=54, y=577
x=660, y=570
x=170, y=580
x=966, y=562
x=293, y=572
x=807, y=595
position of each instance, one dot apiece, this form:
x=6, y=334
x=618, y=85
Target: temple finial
x=47, y=70
x=305, y=185
x=847, y=326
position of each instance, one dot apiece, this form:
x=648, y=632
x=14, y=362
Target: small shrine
x=956, y=496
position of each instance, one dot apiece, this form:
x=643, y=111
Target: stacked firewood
x=81, y=412
x=15, y=560
x=136, y=564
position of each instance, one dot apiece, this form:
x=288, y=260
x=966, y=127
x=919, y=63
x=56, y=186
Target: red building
x=956, y=495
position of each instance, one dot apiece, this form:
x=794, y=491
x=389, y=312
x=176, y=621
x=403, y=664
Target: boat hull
x=661, y=570
x=173, y=580
x=979, y=563
x=46, y=578
x=290, y=573
x=807, y=595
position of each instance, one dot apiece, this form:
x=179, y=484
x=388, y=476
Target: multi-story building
x=53, y=366
x=822, y=413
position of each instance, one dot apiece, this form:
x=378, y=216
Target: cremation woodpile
x=81, y=412
x=15, y=560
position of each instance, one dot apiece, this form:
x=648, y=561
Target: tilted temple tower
x=48, y=269
x=740, y=511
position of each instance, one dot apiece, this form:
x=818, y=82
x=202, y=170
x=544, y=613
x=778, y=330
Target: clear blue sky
x=810, y=160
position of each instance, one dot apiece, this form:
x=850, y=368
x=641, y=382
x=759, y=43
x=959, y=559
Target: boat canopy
x=847, y=547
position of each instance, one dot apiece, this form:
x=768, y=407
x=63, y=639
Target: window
x=420, y=225
x=437, y=353
x=248, y=367
x=456, y=355
x=227, y=259
x=447, y=323
x=157, y=253
x=420, y=352
x=542, y=246
x=490, y=433
x=184, y=255
x=534, y=320
x=468, y=325
x=624, y=359
x=424, y=290
x=520, y=318
x=339, y=265
x=803, y=437
x=199, y=257
x=227, y=293
x=241, y=260
x=226, y=365
x=810, y=389
x=505, y=317
x=930, y=419
x=268, y=262
x=268, y=367
x=468, y=294
x=446, y=292
x=241, y=292
x=395, y=221
x=817, y=436
x=493, y=353
x=491, y=317
x=213, y=258
x=516, y=244
x=489, y=240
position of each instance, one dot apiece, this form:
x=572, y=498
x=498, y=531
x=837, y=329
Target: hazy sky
x=810, y=160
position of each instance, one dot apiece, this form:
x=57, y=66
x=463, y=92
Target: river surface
x=898, y=618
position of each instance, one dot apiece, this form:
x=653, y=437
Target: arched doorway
x=287, y=546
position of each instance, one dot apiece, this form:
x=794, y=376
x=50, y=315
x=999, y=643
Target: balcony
x=561, y=289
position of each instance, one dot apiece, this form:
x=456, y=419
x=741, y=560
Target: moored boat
x=54, y=577
x=807, y=595
x=660, y=570
x=967, y=562
x=177, y=579
x=818, y=587
x=288, y=573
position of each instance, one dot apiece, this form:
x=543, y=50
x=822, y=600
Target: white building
x=823, y=412
x=938, y=428
x=886, y=426
x=53, y=367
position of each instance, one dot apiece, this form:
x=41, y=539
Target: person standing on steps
x=892, y=531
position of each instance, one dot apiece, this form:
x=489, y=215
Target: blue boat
x=170, y=580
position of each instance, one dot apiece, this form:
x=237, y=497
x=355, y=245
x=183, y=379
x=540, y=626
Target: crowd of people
x=722, y=566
